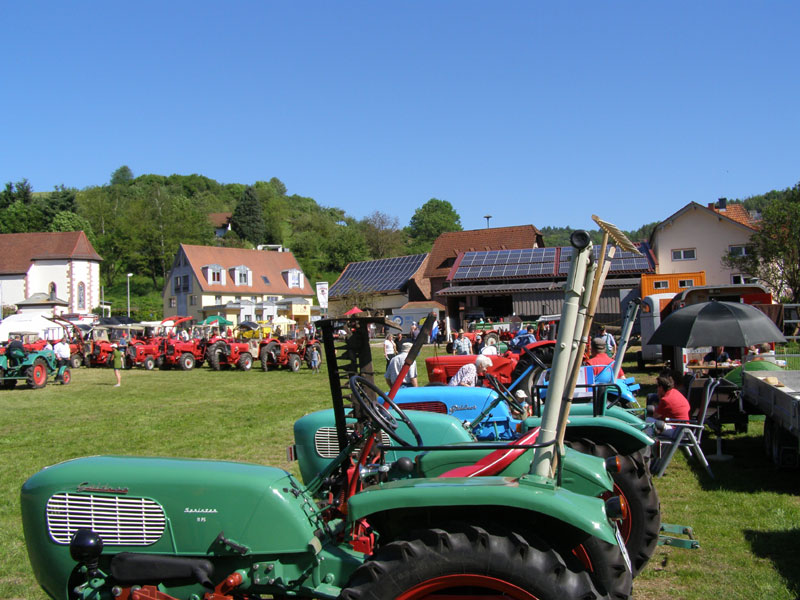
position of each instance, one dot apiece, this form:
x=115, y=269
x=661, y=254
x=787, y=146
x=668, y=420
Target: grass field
x=747, y=519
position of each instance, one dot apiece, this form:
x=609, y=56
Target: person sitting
x=479, y=345
x=62, y=352
x=523, y=337
x=16, y=350
x=671, y=403
x=396, y=365
x=717, y=355
x=468, y=374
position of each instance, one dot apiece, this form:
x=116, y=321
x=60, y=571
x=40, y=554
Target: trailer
x=776, y=394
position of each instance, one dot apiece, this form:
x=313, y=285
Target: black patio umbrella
x=716, y=324
x=248, y=325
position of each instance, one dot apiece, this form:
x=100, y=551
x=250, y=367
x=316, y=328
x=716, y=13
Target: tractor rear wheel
x=75, y=361
x=186, y=361
x=308, y=353
x=149, y=363
x=269, y=355
x=245, y=361
x=215, y=356
x=468, y=562
x=66, y=376
x=640, y=530
x=36, y=374
x=294, y=362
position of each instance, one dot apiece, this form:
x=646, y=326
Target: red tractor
x=184, y=349
x=142, y=351
x=278, y=352
x=228, y=352
x=77, y=341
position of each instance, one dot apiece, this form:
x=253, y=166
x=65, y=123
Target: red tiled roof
x=449, y=245
x=219, y=219
x=264, y=263
x=738, y=213
x=19, y=250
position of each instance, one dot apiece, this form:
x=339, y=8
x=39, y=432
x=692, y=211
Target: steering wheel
x=505, y=394
x=378, y=413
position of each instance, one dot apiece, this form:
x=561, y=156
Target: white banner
x=322, y=294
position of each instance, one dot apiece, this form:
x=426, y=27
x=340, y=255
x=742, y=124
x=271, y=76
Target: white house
x=61, y=266
x=697, y=237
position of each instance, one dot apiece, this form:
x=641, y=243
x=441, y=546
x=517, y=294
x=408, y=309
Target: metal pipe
x=625, y=336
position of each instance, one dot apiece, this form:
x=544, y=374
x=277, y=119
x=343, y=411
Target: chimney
x=722, y=203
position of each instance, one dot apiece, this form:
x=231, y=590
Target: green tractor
x=164, y=529
x=32, y=367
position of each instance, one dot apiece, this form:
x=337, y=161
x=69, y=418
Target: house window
x=177, y=284
x=660, y=285
x=172, y=302
x=738, y=250
x=216, y=275
x=254, y=299
x=742, y=279
x=217, y=300
x=294, y=278
x=684, y=254
x=51, y=289
x=192, y=300
x=81, y=296
x=685, y=283
x=238, y=298
x=242, y=274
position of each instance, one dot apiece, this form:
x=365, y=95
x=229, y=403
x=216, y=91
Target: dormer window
x=242, y=275
x=293, y=278
x=215, y=274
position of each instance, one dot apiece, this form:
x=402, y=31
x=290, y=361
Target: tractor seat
x=16, y=356
x=495, y=462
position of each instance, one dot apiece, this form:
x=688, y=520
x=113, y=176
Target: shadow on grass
x=748, y=471
x=782, y=548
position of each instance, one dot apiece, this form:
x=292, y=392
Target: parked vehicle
x=33, y=367
x=226, y=353
x=774, y=393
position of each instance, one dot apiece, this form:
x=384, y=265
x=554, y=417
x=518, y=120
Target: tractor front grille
x=432, y=406
x=121, y=521
x=326, y=442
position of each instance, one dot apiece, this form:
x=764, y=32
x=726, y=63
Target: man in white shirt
x=61, y=350
x=396, y=365
x=489, y=349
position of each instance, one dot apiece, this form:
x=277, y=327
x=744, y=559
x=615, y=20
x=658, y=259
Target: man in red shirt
x=671, y=403
x=599, y=359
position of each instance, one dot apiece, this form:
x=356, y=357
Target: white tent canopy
x=30, y=322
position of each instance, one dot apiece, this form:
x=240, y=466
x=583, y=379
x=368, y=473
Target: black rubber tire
x=530, y=566
x=214, y=354
x=610, y=573
x=635, y=483
x=149, y=363
x=245, y=361
x=36, y=374
x=186, y=361
x=263, y=356
x=75, y=361
x=294, y=363
x=66, y=376
x=768, y=433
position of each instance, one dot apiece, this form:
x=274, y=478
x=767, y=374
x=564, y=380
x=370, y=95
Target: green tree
x=248, y=220
x=773, y=254
x=383, y=235
x=345, y=246
x=69, y=221
x=122, y=176
x=19, y=192
x=429, y=221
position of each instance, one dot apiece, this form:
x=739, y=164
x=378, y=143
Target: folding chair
x=686, y=435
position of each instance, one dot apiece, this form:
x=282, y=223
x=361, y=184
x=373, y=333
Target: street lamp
x=129, y=294
x=487, y=217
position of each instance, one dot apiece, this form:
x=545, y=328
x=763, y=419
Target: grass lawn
x=747, y=519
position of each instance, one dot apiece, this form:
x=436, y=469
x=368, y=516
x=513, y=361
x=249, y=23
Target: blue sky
x=532, y=112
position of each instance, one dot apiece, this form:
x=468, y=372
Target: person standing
x=389, y=349
x=462, y=344
x=611, y=343
x=315, y=359
x=116, y=362
x=396, y=365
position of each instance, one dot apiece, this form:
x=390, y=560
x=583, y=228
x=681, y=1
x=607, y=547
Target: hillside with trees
x=137, y=223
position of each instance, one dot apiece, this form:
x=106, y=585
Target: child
x=315, y=359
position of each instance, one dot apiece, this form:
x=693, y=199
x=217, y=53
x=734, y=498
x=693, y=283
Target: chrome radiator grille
x=327, y=444
x=117, y=520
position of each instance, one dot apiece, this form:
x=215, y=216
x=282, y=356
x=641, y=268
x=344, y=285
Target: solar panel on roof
x=377, y=275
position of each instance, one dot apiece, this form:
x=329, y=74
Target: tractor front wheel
x=245, y=361
x=36, y=374
x=149, y=363
x=186, y=361
x=75, y=361
x=469, y=562
x=641, y=528
x=294, y=362
x=66, y=376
